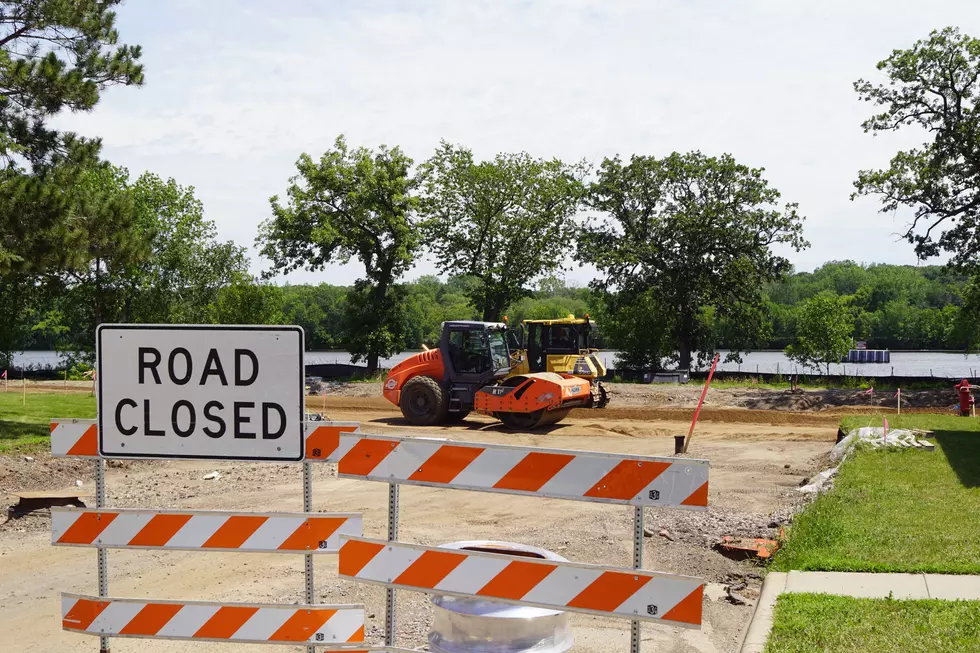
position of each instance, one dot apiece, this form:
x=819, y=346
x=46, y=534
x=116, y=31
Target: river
x=903, y=363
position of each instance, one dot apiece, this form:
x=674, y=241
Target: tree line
x=684, y=245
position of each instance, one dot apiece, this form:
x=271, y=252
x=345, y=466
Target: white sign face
x=189, y=391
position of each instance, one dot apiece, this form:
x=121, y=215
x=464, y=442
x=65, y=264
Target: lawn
x=25, y=427
x=812, y=623
x=904, y=510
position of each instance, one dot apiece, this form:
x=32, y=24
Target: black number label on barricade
x=652, y=610
x=654, y=495
x=319, y=637
x=316, y=453
x=323, y=544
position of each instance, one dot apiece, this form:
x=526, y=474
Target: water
x=912, y=363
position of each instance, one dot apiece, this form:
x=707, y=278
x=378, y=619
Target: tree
x=823, y=331
x=933, y=86
x=690, y=236
x=54, y=55
x=505, y=222
x=246, y=301
x=351, y=203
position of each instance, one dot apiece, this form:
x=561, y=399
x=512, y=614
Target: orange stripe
x=88, y=444
x=81, y=615
x=302, y=625
x=534, y=470
x=358, y=635
x=233, y=533
x=159, y=530
x=608, y=591
x=429, y=570
x=445, y=464
x=151, y=619
x=225, y=622
x=688, y=610
x=698, y=498
x=627, y=479
x=87, y=527
x=516, y=580
x=54, y=425
x=365, y=456
x=355, y=555
x=325, y=440
x=311, y=532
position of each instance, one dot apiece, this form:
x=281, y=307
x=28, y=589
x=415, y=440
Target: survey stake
x=194, y=391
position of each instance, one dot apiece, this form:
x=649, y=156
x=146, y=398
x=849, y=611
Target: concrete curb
x=757, y=633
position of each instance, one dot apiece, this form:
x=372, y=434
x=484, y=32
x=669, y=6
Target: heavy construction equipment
x=485, y=367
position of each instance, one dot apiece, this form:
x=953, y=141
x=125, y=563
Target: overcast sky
x=237, y=89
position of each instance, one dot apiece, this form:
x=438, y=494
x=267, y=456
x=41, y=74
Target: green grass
x=820, y=623
x=900, y=511
x=25, y=427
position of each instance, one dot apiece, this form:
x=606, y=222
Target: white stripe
x=61, y=521
x=272, y=533
x=115, y=617
x=403, y=461
x=389, y=563
x=197, y=531
x=67, y=603
x=489, y=467
x=675, y=485
x=579, y=476
x=353, y=526
x=124, y=528
x=347, y=442
x=470, y=576
x=664, y=593
x=562, y=585
x=188, y=620
x=264, y=623
x=341, y=627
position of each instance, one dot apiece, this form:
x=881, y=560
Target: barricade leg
x=103, y=559
x=390, y=591
x=637, y=564
x=308, y=508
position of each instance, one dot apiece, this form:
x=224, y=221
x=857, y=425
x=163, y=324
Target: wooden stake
x=697, y=411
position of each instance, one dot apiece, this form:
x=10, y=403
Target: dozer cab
x=473, y=368
x=564, y=346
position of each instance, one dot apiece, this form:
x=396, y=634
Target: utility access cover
x=193, y=391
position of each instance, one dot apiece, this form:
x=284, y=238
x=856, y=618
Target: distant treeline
x=892, y=307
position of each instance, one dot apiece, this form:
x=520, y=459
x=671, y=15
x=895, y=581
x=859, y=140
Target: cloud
x=236, y=90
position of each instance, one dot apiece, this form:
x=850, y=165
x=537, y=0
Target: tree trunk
x=492, y=313
x=684, y=344
x=372, y=363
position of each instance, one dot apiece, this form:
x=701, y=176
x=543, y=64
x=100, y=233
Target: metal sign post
x=308, y=508
x=390, y=618
x=103, y=561
x=638, y=512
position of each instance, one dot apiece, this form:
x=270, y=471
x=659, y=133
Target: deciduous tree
x=691, y=237
x=352, y=203
x=506, y=222
x=824, y=331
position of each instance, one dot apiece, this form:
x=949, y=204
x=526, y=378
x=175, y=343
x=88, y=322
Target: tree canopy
x=932, y=86
x=54, y=55
x=504, y=222
x=824, y=331
x=691, y=237
x=351, y=203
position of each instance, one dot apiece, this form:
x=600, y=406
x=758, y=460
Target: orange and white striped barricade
x=592, y=589
x=657, y=482
x=341, y=626
x=76, y=438
x=202, y=530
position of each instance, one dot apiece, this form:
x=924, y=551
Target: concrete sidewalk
x=858, y=585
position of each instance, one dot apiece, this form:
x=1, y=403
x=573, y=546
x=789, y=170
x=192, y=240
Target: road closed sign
x=189, y=391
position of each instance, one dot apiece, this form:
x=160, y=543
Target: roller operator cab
x=475, y=367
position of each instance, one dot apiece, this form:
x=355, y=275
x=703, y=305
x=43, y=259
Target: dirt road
x=755, y=470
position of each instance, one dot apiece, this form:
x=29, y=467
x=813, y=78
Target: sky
x=236, y=90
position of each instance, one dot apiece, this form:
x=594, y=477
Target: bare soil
x=758, y=460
